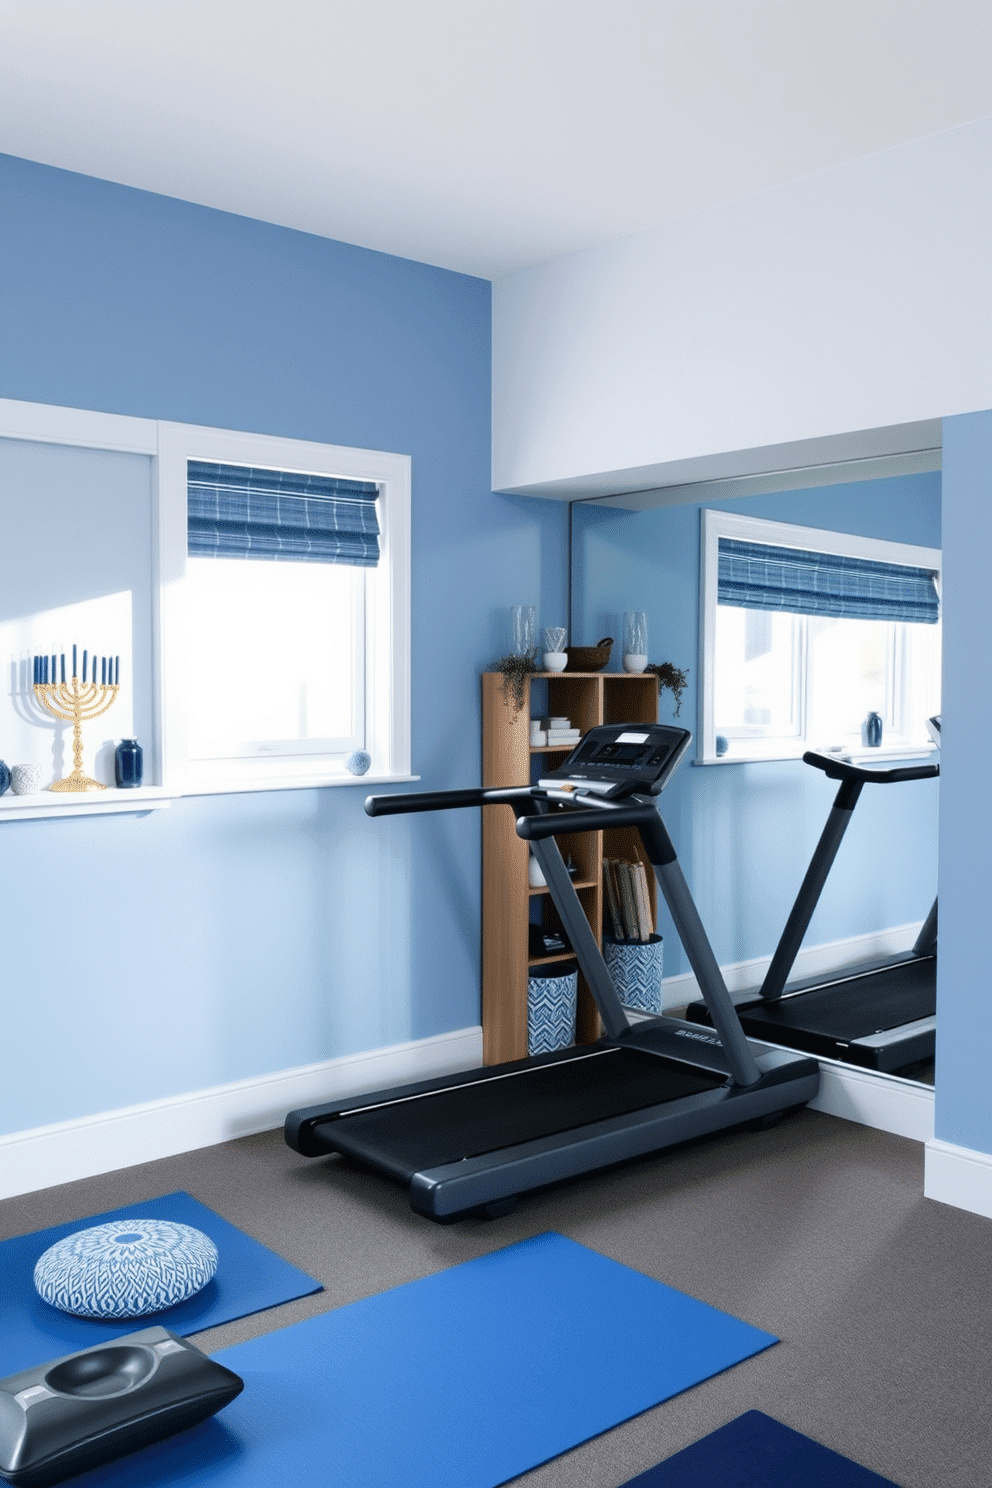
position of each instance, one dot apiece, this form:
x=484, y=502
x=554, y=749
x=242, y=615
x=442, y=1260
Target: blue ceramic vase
x=873, y=730
x=128, y=764
x=4, y=777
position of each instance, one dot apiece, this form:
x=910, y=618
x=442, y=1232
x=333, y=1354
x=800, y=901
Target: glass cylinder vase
x=523, y=622
x=635, y=641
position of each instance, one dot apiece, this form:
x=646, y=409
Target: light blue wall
x=746, y=832
x=964, y=987
x=234, y=935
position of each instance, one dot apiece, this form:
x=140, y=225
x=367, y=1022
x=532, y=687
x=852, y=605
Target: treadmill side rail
x=451, y=1192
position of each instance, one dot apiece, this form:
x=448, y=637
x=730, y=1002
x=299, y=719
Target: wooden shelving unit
x=587, y=698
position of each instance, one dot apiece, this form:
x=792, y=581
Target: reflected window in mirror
x=807, y=633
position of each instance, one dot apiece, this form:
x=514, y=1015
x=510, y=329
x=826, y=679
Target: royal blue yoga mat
x=757, y=1452
x=462, y=1380
x=249, y=1278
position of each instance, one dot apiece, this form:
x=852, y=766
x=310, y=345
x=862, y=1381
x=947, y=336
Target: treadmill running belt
x=853, y=1009
x=496, y=1112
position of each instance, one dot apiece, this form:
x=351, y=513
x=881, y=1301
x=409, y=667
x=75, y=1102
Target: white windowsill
x=113, y=802
x=88, y=803
x=848, y=757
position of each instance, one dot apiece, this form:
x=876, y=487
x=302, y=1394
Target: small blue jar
x=873, y=730
x=4, y=777
x=128, y=764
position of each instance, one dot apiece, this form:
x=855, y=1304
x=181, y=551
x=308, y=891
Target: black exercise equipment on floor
x=82, y=1410
x=879, y=1015
x=474, y=1142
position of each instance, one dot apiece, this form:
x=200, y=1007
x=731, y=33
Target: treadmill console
x=621, y=759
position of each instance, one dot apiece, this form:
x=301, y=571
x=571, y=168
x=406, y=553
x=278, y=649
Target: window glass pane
x=851, y=673
x=921, y=680
x=273, y=655
x=862, y=666
x=757, y=673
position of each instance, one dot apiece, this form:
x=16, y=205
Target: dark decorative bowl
x=589, y=658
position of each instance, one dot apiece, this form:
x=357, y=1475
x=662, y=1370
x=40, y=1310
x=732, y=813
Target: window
x=805, y=632
x=284, y=612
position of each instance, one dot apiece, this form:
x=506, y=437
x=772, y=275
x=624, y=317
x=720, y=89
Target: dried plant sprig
x=674, y=678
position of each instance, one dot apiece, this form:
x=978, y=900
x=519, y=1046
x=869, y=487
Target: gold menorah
x=75, y=702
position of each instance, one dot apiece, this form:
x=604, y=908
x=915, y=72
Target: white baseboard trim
x=81, y=1148
x=958, y=1176
x=873, y=1099
x=68, y=1150
x=817, y=960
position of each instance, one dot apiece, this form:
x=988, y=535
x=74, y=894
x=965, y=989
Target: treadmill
x=880, y=1015
x=472, y=1143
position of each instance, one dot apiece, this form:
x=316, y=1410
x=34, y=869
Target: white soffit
x=480, y=135
x=831, y=460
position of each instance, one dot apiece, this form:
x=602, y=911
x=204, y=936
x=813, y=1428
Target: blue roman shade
x=238, y=511
x=760, y=576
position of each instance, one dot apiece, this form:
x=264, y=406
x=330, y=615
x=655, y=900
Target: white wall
x=853, y=299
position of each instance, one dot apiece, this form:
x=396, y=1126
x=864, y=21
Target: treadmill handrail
x=838, y=769
x=401, y=802
x=584, y=818
x=852, y=779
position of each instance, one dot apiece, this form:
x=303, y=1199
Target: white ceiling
x=480, y=135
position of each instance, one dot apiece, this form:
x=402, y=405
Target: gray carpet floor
x=816, y=1230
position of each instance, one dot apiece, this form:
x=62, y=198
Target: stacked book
x=560, y=732
x=628, y=901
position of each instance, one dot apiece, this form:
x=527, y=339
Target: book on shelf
x=644, y=921
x=628, y=900
x=612, y=898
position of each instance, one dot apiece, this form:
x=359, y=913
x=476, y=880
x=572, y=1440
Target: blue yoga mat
x=757, y=1452
x=462, y=1380
x=249, y=1278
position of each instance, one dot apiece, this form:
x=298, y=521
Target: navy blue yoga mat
x=461, y=1380
x=249, y=1278
x=756, y=1452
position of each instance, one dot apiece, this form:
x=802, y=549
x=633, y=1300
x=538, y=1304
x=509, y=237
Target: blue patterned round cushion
x=125, y=1270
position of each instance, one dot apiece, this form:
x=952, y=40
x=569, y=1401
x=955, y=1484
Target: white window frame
x=168, y=771
x=717, y=524
x=387, y=609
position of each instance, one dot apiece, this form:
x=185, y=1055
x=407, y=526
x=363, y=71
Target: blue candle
x=53, y=670
x=63, y=667
x=36, y=671
x=117, y=670
x=74, y=661
x=103, y=671
x=44, y=669
x=85, y=654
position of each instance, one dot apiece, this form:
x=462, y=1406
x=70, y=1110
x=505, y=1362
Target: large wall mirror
x=748, y=815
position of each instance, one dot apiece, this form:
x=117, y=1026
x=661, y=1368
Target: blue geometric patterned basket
x=125, y=1270
x=551, y=998
x=636, y=971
